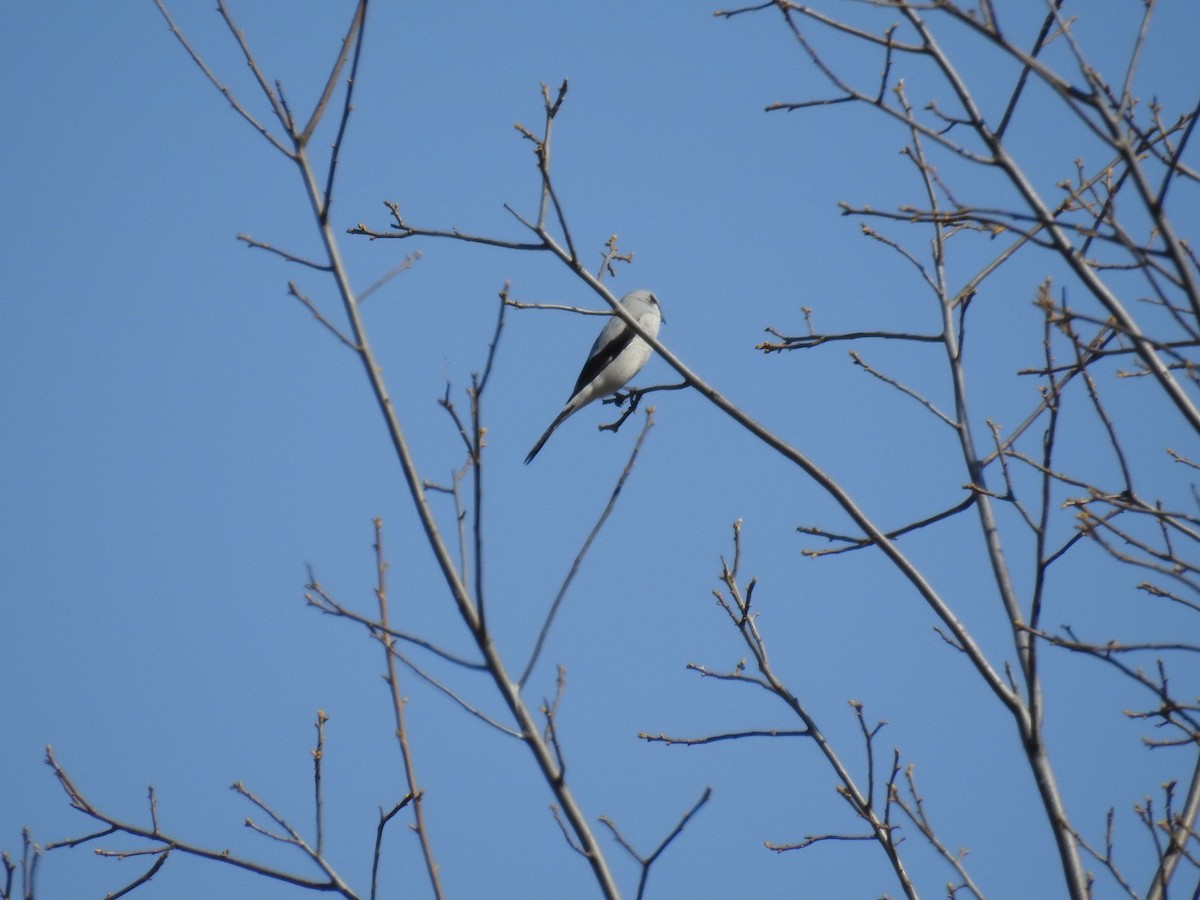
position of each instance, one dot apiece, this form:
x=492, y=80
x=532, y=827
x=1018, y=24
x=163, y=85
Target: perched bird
x=616, y=357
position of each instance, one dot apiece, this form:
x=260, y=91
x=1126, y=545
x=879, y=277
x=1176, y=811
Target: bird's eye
x=654, y=300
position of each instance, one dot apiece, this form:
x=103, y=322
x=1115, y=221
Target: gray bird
x=616, y=357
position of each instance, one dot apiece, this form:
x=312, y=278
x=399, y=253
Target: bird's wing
x=615, y=337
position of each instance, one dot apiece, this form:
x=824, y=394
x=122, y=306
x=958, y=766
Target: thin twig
x=647, y=861
x=398, y=705
x=384, y=818
x=578, y=561
x=79, y=802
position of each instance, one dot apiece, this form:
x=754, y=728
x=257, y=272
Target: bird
x=616, y=357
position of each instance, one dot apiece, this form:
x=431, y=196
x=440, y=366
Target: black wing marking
x=602, y=357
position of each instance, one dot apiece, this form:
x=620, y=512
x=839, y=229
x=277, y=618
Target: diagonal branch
x=578, y=561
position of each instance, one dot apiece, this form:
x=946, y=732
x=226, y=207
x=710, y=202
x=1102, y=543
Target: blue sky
x=181, y=439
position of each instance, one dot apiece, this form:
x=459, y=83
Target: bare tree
x=1117, y=303
x=1131, y=296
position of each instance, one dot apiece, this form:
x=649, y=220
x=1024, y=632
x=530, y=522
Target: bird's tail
x=567, y=410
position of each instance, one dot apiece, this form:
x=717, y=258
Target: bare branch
x=647, y=861
x=216, y=82
x=79, y=802
x=661, y=738
x=384, y=818
x=578, y=561
x=320, y=317
x=398, y=705
x=290, y=257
